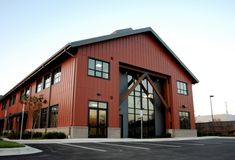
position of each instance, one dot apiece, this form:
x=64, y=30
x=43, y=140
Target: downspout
x=73, y=90
x=49, y=104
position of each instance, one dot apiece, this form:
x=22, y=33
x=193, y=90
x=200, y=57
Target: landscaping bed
x=9, y=144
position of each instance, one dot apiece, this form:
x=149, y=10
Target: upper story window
x=47, y=81
x=12, y=100
x=182, y=88
x=57, y=75
x=39, y=85
x=184, y=120
x=24, y=93
x=27, y=91
x=4, y=105
x=98, y=68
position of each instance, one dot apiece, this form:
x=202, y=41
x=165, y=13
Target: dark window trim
x=56, y=70
x=49, y=124
x=44, y=80
x=187, y=93
x=97, y=108
x=37, y=83
x=12, y=100
x=95, y=59
x=188, y=125
x=4, y=104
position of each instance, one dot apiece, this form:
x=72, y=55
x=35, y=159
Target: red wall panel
x=139, y=50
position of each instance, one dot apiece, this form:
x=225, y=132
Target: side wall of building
x=60, y=94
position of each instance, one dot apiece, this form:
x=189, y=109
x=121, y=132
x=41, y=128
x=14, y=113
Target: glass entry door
x=97, y=119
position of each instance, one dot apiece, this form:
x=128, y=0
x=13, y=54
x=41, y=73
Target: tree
x=33, y=106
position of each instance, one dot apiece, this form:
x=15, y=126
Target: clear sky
x=200, y=32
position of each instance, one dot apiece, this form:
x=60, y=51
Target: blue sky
x=200, y=32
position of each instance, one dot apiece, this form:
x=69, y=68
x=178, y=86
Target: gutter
x=51, y=59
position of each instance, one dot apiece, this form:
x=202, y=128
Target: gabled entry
x=140, y=93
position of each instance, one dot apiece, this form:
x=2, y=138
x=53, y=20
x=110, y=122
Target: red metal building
x=109, y=86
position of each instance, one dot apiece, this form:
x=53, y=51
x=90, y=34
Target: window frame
x=39, y=82
x=47, y=84
x=43, y=117
x=186, y=123
x=4, y=105
x=97, y=125
x=50, y=116
x=12, y=100
x=56, y=79
x=182, y=88
x=102, y=72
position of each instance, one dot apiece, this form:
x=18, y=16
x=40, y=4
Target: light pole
x=212, y=118
x=141, y=124
x=22, y=121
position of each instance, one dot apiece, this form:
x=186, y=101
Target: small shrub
x=37, y=135
x=12, y=135
x=26, y=135
x=54, y=135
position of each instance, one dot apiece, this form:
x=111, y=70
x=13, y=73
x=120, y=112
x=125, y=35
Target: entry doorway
x=97, y=124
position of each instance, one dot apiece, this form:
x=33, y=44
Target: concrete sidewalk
x=18, y=151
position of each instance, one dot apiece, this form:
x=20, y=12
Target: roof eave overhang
x=32, y=74
x=96, y=40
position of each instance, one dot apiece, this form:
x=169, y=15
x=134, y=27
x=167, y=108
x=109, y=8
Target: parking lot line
x=88, y=148
x=158, y=144
x=190, y=144
x=126, y=146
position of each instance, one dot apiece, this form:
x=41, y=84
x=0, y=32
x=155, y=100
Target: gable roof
x=129, y=32
x=114, y=35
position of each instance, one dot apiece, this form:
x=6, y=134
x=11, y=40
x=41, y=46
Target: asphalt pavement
x=213, y=148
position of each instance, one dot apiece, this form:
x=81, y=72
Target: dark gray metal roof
x=128, y=32
x=114, y=35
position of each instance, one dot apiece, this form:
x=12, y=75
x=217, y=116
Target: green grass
x=8, y=144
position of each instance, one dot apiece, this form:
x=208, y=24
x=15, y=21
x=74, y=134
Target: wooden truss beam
x=158, y=93
x=128, y=92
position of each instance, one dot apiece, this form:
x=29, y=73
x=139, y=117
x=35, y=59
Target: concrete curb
x=18, y=151
x=50, y=141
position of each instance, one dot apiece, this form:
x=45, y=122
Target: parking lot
x=213, y=149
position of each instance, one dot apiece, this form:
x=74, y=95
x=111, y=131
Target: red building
x=107, y=87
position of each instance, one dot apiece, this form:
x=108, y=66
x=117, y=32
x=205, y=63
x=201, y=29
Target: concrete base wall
x=59, y=129
x=71, y=132
x=114, y=132
x=79, y=132
x=182, y=132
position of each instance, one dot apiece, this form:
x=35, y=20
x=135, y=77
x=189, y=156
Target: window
x=24, y=93
x=57, y=75
x=97, y=119
x=12, y=100
x=4, y=105
x=47, y=81
x=53, y=116
x=141, y=98
x=39, y=85
x=43, y=118
x=184, y=120
x=10, y=123
x=182, y=88
x=27, y=91
x=98, y=68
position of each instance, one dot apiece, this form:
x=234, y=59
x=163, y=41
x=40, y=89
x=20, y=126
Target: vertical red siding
x=138, y=50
